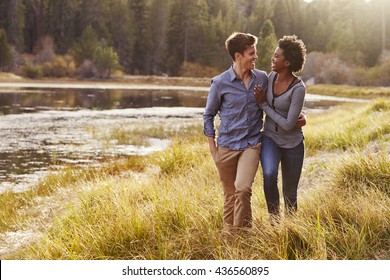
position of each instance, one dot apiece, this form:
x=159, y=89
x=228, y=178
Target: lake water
x=48, y=127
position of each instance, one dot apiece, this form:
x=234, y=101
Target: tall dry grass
x=353, y=127
x=367, y=92
x=172, y=208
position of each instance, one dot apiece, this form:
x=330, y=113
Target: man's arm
x=301, y=120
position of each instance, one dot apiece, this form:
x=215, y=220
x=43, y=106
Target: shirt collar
x=233, y=76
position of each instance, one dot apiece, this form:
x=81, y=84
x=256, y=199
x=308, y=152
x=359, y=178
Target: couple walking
x=240, y=96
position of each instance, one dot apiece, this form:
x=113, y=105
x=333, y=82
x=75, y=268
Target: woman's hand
x=259, y=94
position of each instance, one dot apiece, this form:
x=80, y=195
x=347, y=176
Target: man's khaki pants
x=237, y=170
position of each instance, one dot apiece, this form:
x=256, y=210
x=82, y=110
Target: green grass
x=168, y=205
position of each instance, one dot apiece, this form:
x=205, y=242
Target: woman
x=283, y=140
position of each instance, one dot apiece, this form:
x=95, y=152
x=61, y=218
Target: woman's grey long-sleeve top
x=282, y=112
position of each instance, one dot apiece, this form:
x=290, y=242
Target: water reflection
x=16, y=166
x=30, y=100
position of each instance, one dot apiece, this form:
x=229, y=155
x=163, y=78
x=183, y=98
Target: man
x=237, y=150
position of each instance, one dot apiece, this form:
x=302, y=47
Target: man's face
x=248, y=59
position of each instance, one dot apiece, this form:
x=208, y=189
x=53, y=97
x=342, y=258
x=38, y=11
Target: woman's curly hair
x=294, y=50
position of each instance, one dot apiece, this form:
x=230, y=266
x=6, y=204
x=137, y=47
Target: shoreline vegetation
x=167, y=205
x=120, y=79
x=323, y=89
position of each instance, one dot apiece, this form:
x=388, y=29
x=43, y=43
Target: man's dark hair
x=239, y=42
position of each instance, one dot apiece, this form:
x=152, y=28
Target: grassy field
x=168, y=205
x=350, y=91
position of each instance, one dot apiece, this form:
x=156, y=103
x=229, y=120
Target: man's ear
x=237, y=56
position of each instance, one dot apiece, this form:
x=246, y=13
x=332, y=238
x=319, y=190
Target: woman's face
x=278, y=62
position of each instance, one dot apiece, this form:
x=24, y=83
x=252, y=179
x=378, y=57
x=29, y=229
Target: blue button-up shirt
x=240, y=115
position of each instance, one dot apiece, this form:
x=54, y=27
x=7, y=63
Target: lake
x=47, y=127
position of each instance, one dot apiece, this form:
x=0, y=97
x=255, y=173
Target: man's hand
x=259, y=94
x=212, y=145
x=301, y=121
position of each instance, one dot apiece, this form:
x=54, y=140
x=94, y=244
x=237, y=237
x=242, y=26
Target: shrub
x=189, y=69
x=31, y=71
x=59, y=66
x=328, y=68
x=384, y=78
x=45, y=49
x=70, y=65
x=106, y=59
x=314, y=64
x=334, y=71
x=87, y=69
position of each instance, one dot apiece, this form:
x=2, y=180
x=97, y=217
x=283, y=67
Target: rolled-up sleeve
x=212, y=108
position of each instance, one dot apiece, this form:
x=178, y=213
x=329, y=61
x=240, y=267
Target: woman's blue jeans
x=291, y=164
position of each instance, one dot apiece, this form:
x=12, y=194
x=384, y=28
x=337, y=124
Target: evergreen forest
x=186, y=37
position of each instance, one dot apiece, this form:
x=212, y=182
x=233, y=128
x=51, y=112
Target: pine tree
x=317, y=28
x=105, y=60
x=143, y=42
x=295, y=15
x=5, y=51
x=215, y=54
x=187, y=33
x=86, y=46
x=96, y=14
x=266, y=46
x=14, y=14
x=35, y=23
x=158, y=36
x=319, y=38
x=122, y=29
x=61, y=17
x=159, y=24
x=281, y=18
